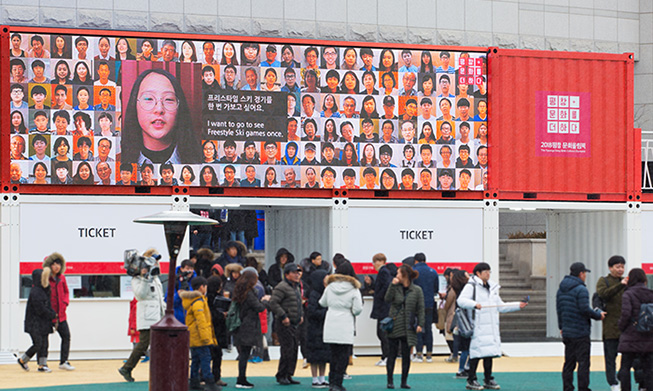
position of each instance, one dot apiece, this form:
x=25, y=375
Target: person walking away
x=134, y=335
x=39, y=316
x=610, y=288
x=60, y=296
x=150, y=308
x=385, y=274
x=343, y=299
x=318, y=352
x=429, y=281
x=482, y=297
x=574, y=314
x=248, y=334
x=219, y=305
x=449, y=306
x=202, y=336
x=407, y=311
x=286, y=304
x=459, y=279
x=635, y=344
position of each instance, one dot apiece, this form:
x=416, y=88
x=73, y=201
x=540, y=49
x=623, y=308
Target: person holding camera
x=150, y=309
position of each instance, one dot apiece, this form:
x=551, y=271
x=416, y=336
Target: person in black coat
x=318, y=353
x=380, y=309
x=635, y=344
x=38, y=320
x=219, y=305
x=249, y=332
x=275, y=272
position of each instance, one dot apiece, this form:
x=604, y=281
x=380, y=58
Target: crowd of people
x=312, y=305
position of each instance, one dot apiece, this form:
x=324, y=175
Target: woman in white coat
x=481, y=296
x=343, y=299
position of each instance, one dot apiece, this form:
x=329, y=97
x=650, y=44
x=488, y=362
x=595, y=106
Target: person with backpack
x=574, y=314
x=248, y=334
x=636, y=340
x=482, y=297
x=609, y=290
x=219, y=305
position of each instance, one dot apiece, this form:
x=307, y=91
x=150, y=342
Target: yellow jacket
x=198, y=319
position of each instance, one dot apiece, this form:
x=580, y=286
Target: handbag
x=462, y=320
x=387, y=324
x=442, y=316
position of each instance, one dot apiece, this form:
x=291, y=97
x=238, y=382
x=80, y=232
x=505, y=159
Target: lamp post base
x=169, y=344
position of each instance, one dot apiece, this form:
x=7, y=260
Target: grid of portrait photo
x=102, y=110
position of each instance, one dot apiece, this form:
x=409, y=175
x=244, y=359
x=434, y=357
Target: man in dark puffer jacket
x=574, y=314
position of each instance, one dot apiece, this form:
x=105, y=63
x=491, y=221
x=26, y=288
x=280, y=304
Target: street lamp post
x=169, y=338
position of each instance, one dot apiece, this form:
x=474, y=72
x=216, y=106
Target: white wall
x=591, y=237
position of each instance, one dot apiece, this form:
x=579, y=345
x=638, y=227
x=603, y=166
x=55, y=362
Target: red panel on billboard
x=561, y=125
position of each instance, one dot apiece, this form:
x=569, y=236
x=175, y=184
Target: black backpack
x=644, y=322
x=597, y=301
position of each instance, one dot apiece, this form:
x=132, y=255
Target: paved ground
x=105, y=372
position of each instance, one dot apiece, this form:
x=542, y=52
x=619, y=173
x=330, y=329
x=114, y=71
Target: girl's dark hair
x=408, y=272
x=67, y=50
x=393, y=67
x=56, y=77
x=21, y=128
x=183, y=136
x=58, y=142
x=189, y=168
x=354, y=155
x=89, y=75
x=335, y=104
x=393, y=175
x=374, y=162
x=636, y=276
x=214, y=181
x=40, y=164
x=129, y=55
x=364, y=114
x=244, y=284
x=426, y=68
x=458, y=280
x=345, y=267
x=343, y=88
x=234, y=59
x=421, y=135
x=335, y=131
x=193, y=57
x=274, y=181
x=77, y=179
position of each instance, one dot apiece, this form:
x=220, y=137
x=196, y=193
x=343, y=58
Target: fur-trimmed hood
x=343, y=278
x=187, y=298
x=50, y=259
x=232, y=267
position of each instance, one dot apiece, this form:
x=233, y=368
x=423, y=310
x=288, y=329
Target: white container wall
x=300, y=230
x=591, y=237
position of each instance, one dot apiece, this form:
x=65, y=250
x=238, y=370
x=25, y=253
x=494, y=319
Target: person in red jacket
x=134, y=334
x=60, y=297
